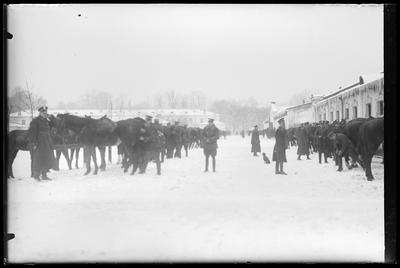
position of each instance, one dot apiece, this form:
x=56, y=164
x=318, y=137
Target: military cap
x=210, y=119
x=148, y=117
x=281, y=120
x=255, y=126
x=43, y=109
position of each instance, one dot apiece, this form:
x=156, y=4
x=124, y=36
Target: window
x=347, y=113
x=380, y=107
x=324, y=117
x=320, y=117
x=331, y=116
x=337, y=115
x=23, y=122
x=355, y=112
x=368, y=110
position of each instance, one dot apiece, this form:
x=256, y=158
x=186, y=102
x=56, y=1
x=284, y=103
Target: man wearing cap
x=255, y=141
x=41, y=145
x=211, y=135
x=281, y=144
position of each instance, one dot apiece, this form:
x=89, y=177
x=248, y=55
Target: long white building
x=364, y=98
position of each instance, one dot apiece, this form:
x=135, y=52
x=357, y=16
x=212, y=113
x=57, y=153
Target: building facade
x=362, y=100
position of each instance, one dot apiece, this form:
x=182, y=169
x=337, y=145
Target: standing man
x=255, y=141
x=281, y=144
x=303, y=147
x=211, y=135
x=41, y=145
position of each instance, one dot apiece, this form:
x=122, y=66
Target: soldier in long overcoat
x=210, y=135
x=281, y=144
x=303, y=143
x=41, y=145
x=255, y=141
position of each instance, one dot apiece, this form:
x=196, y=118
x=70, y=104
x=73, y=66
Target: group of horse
x=138, y=141
x=365, y=134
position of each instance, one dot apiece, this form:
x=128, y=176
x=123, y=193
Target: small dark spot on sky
x=79, y=15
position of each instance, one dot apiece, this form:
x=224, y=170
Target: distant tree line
x=236, y=114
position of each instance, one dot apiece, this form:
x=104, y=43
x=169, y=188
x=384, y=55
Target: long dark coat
x=211, y=135
x=255, y=141
x=303, y=142
x=281, y=144
x=39, y=136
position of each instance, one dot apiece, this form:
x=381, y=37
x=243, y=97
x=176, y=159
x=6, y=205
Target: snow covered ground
x=243, y=212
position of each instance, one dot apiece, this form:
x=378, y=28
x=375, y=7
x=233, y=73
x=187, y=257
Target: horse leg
x=109, y=154
x=31, y=155
x=93, y=153
x=143, y=162
x=77, y=150
x=12, y=156
x=102, y=157
x=58, y=155
x=158, y=163
x=71, y=156
x=368, y=172
x=135, y=164
x=86, y=158
x=66, y=156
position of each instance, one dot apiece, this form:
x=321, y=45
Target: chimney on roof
x=361, y=80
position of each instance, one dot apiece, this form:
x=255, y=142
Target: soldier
x=177, y=132
x=41, y=145
x=343, y=147
x=255, y=141
x=303, y=143
x=211, y=135
x=242, y=133
x=281, y=144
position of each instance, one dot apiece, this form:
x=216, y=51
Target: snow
x=243, y=212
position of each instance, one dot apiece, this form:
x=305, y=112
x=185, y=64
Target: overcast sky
x=269, y=52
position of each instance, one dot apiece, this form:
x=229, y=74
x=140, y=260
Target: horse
x=19, y=140
x=92, y=133
x=370, y=136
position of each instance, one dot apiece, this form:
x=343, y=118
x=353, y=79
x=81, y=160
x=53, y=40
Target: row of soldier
x=356, y=141
x=154, y=141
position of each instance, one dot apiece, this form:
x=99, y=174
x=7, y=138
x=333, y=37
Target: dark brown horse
x=370, y=136
x=92, y=133
x=19, y=140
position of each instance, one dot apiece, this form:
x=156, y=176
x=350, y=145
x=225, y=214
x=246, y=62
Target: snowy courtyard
x=243, y=212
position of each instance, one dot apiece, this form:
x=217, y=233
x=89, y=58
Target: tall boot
x=36, y=175
x=281, y=168
x=206, y=167
x=213, y=164
x=44, y=175
x=277, y=168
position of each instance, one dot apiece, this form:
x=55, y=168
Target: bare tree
x=25, y=100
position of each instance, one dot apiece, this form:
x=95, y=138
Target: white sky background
x=270, y=52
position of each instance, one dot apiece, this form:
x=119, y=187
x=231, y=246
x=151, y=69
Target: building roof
x=364, y=80
x=299, y=106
